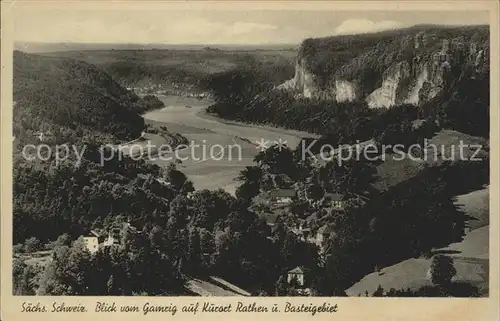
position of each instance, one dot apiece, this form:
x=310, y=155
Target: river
x=219, y=149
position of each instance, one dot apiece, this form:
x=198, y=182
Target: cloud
x=208, y=31
x=116, y=29
x=248, y=27
x=353, y=26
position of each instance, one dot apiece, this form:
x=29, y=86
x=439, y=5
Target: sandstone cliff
x=409, y=66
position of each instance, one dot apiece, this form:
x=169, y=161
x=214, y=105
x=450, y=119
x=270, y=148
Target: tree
x=247, y=191
x=18, y=268
x=17, y=248
x=207, y=248
x=379, y=291
x=175, y=177
x=442, y=270
x=76, y=272
x=63, y=240
x=251, y=174
x=277, y=160
x=53, y=279
x=251, y=177
x=187, y=187
x=210, y=207
x=315, y=192
x=282, y=286
x=193, y=255
x=32, y=245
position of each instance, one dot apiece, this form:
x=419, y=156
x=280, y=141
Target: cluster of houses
x=276, y=203
x=279, y=199
x=170, y=89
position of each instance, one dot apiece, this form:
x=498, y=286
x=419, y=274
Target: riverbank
x=220, y=168
x=211, y=116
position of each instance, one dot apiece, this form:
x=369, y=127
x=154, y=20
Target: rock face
x=306, y=84
x=409, y=70
x=386, y=95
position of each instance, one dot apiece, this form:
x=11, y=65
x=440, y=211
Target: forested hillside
x=172, y=229
x=71, y=98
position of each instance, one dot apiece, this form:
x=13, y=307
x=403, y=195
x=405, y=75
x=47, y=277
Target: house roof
x=270, y=218
x=334, y=196
x=326, y=229
x=297, y=270
x=92, y=233
x=282, y=193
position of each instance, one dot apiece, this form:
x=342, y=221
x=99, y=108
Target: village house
x=91, y=241
x=336, y=201
x=296, y=274
x=96, y=240
x=281, y=197
x=270, y=218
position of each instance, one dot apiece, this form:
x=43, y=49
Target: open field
x=476, y=205
x=471, y=255
x=447, y=142
x=214, y=286
x=471, y=262
x=40, y=258
x=448, y=145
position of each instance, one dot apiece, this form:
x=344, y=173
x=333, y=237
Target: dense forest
x=208, y=233
x=72, y=99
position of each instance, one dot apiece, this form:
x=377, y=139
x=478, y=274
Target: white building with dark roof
x=91, y=241
x=296, y=274
x=278, y=197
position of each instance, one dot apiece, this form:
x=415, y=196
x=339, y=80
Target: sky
x=217, y=26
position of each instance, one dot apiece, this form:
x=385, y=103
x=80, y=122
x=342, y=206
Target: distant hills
x=71, y=98
x=40, y=47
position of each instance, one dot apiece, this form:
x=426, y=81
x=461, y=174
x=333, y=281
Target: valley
x=237, y=209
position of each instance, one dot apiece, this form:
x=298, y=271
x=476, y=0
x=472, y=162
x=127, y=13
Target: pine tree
x=193, y=255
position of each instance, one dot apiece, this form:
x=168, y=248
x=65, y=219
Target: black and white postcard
x=249, y=160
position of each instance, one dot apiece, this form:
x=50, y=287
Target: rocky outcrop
x=413, y=95
x=345, y=90
x=307, y=85
x=386, y=95
x=411, y=70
